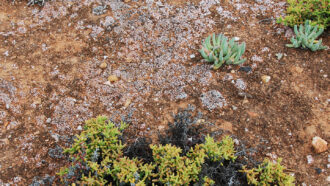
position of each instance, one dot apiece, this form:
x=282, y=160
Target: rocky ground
x=138, y=61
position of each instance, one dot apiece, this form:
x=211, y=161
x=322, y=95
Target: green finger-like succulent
x=218, y=50
x=306, y=37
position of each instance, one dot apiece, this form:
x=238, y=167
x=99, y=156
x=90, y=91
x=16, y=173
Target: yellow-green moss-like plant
x=98, y=152
x=298, y=11
x=98, y=159
x=269, y=173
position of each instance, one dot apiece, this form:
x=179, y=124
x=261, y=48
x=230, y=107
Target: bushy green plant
x=298, y=11
x=98, y=159
x=99, y=154
x=221, y=150
x=306, y=37
x=218, y=50
x=268, y=173
x=208, y=181
x=174, y=169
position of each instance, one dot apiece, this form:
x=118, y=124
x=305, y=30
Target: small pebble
x=113, y=78
x=48, y=120
x=236, y=141
x=318, y=170
x=310, y=159
x=245, y=69
x=192, y=56
x=103, y=65
x=265, y=79
x=79, y=128
x=236, y=38
x=234, y=107
x=319, y=144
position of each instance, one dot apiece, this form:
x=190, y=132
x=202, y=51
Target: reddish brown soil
x=49, y=68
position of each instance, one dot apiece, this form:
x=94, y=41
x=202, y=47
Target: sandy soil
x=51, y=80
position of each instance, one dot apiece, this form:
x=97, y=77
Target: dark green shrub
x=268, y=173
x=298, y=11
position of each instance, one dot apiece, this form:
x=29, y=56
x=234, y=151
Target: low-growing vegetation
x=98, y=159
x=298, y=11
x=306, y=37
x=218, y=50
x=269, y=173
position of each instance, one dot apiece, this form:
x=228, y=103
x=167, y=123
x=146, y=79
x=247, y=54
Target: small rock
x=48, y=120
x=245, y=69
x=236, y=141
x=234, y=107
x=265, y=78
x=79, y=128
x=318, y=170
x=113, y=78
x=309, y=159
x=279, y=56
x=272, y=156
x=127, y=103
x=236, y=38
x=192, y=56
x=245, y=100
x=200, y=121
x=319, y=144
x=55, y=136
x=103, y=65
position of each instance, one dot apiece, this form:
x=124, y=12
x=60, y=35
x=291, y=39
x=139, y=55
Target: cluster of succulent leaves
x=98, y=159
x=268, y=173
x=298, y=11
x=218, y=50
x=306, y=37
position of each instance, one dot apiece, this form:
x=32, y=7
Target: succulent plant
x=220, y=51
x=306, y=37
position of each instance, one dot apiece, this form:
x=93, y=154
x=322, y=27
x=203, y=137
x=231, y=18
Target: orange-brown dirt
x=51, y=80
